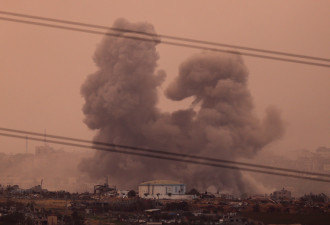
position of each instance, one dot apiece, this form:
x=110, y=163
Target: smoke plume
x=120, y=104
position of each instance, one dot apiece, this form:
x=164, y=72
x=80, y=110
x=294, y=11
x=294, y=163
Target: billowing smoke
x=121, y=99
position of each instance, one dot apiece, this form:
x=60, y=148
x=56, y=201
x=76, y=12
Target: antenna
x=45, y=140
x=26, y=145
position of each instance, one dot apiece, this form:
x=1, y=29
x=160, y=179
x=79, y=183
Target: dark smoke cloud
x=121, y=100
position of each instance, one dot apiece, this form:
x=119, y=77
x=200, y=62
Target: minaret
x=106, y=181
x=45, y=136
x=26, y=145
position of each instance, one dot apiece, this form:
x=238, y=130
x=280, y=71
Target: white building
x=161, y=189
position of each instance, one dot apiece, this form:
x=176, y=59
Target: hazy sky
x=42, y=69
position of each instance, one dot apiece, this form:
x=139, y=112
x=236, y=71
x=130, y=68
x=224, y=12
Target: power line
x=169, y=158
x=165, y=36
x=113, y=149
x=155, y=151
x=167, y=42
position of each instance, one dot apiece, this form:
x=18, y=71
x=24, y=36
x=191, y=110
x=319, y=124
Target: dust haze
x=57, y=168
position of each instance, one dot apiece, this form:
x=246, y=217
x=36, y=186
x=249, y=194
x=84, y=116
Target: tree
x=315, y=197
x=193, y=191
x=131, y=193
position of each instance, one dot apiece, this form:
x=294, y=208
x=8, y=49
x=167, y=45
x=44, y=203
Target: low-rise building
x=281, y=194
x=162, y=189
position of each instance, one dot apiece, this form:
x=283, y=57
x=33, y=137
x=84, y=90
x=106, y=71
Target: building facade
x=281, y=194
x=161, y=189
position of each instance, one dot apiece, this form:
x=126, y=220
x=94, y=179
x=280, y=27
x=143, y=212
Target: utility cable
x=164, y=36
x=153, y=151
x=169, y=158
x=167, y=42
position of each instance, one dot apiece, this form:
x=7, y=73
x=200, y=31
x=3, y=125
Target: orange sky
x=42, y=69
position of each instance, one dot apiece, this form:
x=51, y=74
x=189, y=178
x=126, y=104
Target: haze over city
x=46, y=84
x=164, y=112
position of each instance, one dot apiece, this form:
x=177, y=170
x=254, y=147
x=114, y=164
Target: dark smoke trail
x=121, y=100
